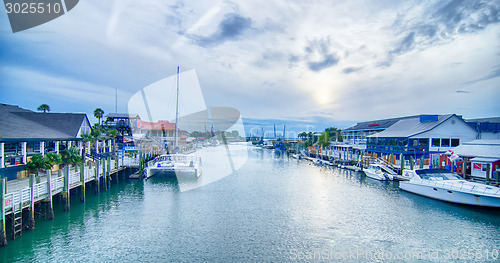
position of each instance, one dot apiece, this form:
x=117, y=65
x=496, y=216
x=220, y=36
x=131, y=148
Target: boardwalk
x=18, y=197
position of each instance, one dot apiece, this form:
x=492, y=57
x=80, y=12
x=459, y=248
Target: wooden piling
x=66, y=189
x=96, y=178
x=82, y=179
x=464, y=169
x=49, y=206
x=3, y=236
x=31, y=214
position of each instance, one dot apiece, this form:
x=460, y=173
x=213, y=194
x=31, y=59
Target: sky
x=316, y=63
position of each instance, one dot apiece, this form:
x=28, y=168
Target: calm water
x=271, y=209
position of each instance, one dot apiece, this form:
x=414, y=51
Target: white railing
x=464, y=187
x=74, y=177
x=22, y=198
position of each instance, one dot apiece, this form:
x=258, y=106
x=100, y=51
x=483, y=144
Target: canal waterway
x=272, y=208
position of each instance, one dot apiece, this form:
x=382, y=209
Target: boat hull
x=375, y=176
x=451, y=195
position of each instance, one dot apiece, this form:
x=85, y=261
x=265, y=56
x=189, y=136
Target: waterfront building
x=355, y=137
x=24, y=133
x=481, y=156
x=161, y=131
x=421, y=136
x=123, y=123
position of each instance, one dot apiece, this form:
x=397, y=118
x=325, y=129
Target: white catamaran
x=181, y=164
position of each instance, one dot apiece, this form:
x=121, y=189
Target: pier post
x=496, y=172
x=96, y=177
x=488, y=169
x=464, y=169
x=31, y=214
x=82, y=179
x=49, y=206
x=3, y=237
x=109, y=170
x=65, y=193
x=402, y=160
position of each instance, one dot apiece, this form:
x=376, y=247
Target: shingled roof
x=20, y=124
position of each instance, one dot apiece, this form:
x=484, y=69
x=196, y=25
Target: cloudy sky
x=334, y=61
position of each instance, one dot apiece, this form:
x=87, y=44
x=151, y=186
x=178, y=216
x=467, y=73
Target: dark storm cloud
x=230, y=28
x=320, y=48
x=350, y=70
x=442, y=21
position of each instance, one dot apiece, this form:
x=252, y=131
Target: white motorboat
x=179, y=164
x=447, y=186
x=376, y=171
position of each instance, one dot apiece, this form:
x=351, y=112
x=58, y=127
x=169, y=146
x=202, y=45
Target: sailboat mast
x=176, y=135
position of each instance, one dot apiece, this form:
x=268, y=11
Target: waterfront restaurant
x=482, y=158
x=24, y=133
x=421, y=136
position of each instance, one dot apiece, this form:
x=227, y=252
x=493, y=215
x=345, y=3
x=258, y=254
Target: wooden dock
x=19, y=198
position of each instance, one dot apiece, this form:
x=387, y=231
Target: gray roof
x=20, y=124
x=410, y=127
x=378, y=124
x=479, y=148
x=122, y=115
x=492, y=120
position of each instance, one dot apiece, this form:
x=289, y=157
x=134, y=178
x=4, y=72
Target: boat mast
x=176, y=113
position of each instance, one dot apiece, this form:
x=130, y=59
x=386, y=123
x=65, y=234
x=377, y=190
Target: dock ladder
x=17, y=217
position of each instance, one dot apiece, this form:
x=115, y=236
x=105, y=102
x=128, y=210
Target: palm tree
x=37, y=163
x=98, y=113
x=44, y=108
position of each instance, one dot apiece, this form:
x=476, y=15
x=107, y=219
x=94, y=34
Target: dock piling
x=31, y=212
x=3, y=237
x=82, y=179
x=49, y=212
x=66, y=189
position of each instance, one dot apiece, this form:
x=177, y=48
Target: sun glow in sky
x=290, y=60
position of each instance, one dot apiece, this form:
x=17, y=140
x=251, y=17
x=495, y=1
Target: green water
x=272, y=209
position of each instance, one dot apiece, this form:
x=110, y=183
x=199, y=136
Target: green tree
x=53, y=158
x=324, y=139
x=37, y=162
x=113, y=134
x=335, y=133
x=44, y=107
x=97, y=132
x=235, y=134
x=303, y=135
x=98, y=113
x=70, y=156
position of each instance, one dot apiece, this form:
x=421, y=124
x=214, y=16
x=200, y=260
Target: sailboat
x=182, y=165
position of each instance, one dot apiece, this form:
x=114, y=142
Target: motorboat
x=450, y=187
x=377, y=171
x=180, y=164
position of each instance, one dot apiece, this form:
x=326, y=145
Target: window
x=445, y=142
x=455, y=142
x=423, y=142
x=436, y=142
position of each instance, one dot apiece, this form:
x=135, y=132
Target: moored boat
x=450, y=187
x=180, y=164
x=377, y=172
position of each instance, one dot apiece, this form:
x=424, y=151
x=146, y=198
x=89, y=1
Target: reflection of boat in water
x=178, y=164
x=377, y=172
x=447, y=186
